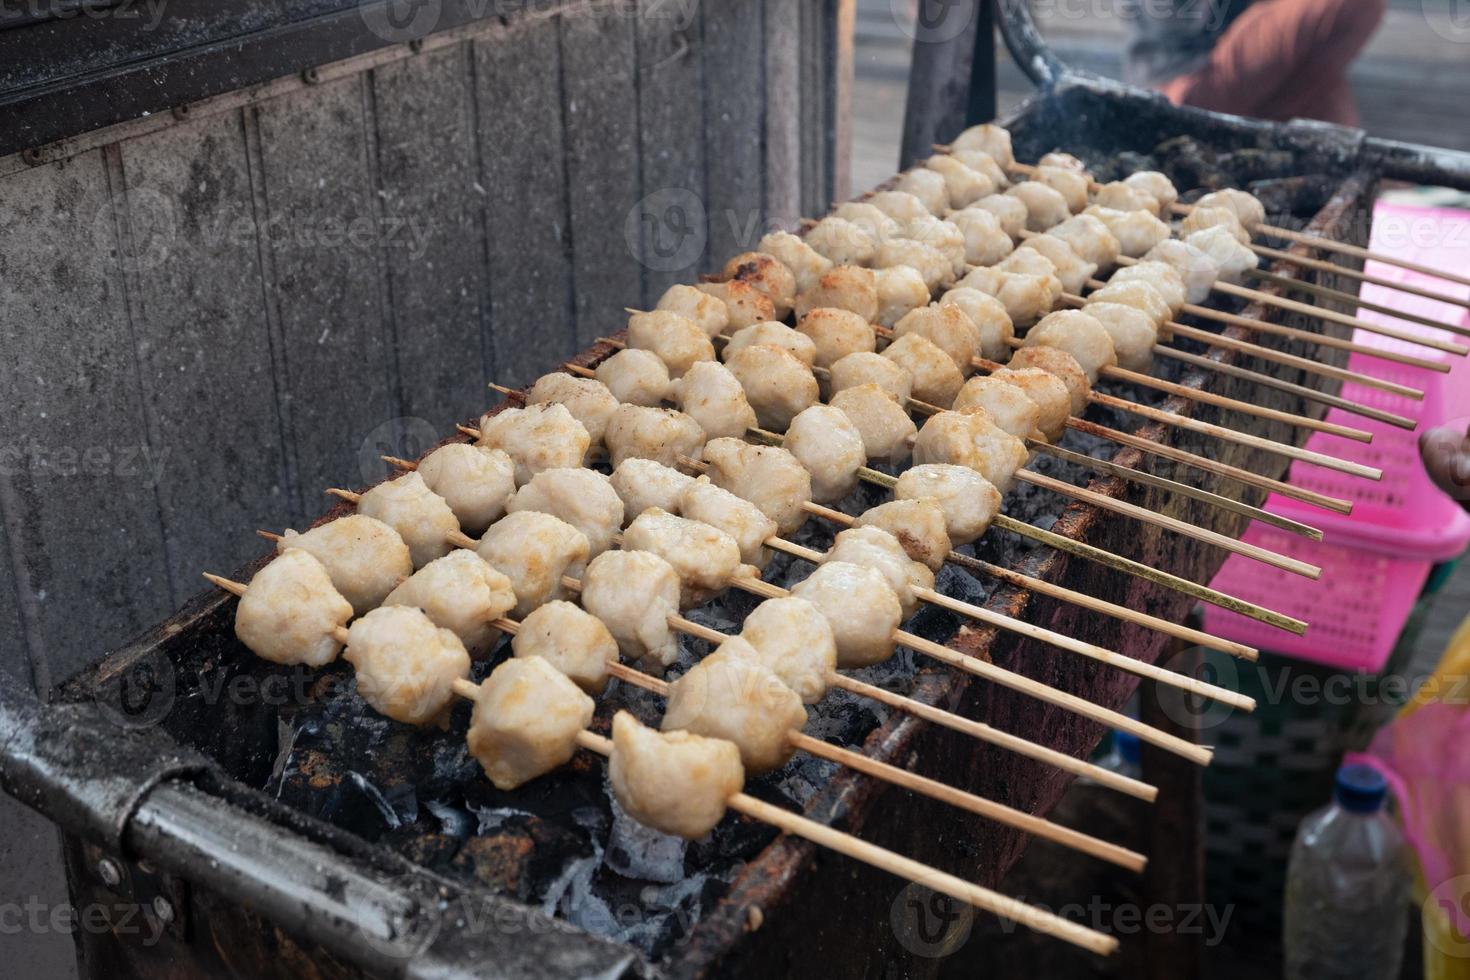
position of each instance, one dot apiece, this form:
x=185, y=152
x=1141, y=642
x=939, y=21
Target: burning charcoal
x=636, y=851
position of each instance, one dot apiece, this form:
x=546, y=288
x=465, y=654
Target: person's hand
x=1446, y=455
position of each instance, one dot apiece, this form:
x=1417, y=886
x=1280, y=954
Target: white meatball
x=805, y=263
x=405, y=665
x=1011, y=212
x=1072, y=185
x=1232, y=259
x=583, y=498
x=710, y=395
x=674, y=782
x=1138, y=294
x=917, y=525
x=767, y=476
x=534, y=550
x=589, y=401
x=859, y=606
x=1026, y=262
x=1047, y=392
x=1078, y=334
x=899, y=205
x=731, y=695
x=660, y=434
x=928, y=186
x=705, y=558
x=1160, y=275
x=831, y=448
x=969, y=501
x=1246, y=207
x=635, y=377
x=290, y=612
x=847, y=287
x=965, y=185
x=986, y=242
x=1045, y=206
x=777, y=383
x=1066, y=161
x=842, y=242
x=768, y=274
x=570, y=639
x=900, y=289
x=793, y=641
x=1136, y=231
x=987, y=138
x=706, y=310
x=1125, y=197
x=936, y=380
x=1157, y=186
x=931, y=264
x=1202, y=218
x=741, y=519
x=873, y=220
x=634, y=593
x=1026, y=298
x=474, y=481
x=1090, y=238
x=1072, y=269
x=864, y=368
x=989, y=316
x=677, y=340
x=949, y=328
x=1195, y=268
x=972, y=439
x=1133, y=333
x=537, y=437
x=645, y=483
x=983, y=163
x=1060, y=364
x=1007, y=405
x=776, y=335
x=744, y=304
x=420, y=516
x=836, y=333
x=873, y=547
x=526, y=721
x=944, y=237
x=365, y=558
x=461, y=593
x=886, y=429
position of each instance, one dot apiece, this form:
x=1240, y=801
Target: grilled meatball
x=1121, y=196
x=836, y=333
x=1195, y=268
x=777, y=383
x=847, y=287
x=1026, y=298
x=1138, y=294
x=918, y=525
x=645, y=483
x=677, y=340
x=474, y=481
x=972, y=439
x=419, y=515
x=987, y=138
x=842, y=242
x=949, y=328
x=873, y=220
x=1232, y=259
x=744, y=304
x=675, y=782
x=537, y=437
x=1071, y=184
x=660, y=434
x=741, y=519
x=831, y=448
x=583, y=498
x=1157, y=186
x=944, y=237
x=768, y=274
x=986, y=241
x=462, y=594
x=1078, y=334
x=1047, y=392
x=534, y=550
x=1090, y=239
x=793, y=640
x=1246, y=207
x=1045, y=206
x=570, y=639
x=1066, y=161
x=1060, y=364
x=768, y=476
x=805, y=263
x=1136, y=231
x=290, y=612
x=863, y=368
x=989, y=316
x=776, y=335
x=969, y=501
x=526, y=721
x=710, y=395
x=887, y=431
x=983, y=163
x=731, y=695
x=873, y=547
x=589, y=401
x=1072, y=269
x=936, y=380
x=1007, y=405
x=930, y=263
x=1133, y=333
x=901, y=206
x=705, y=558
x=365, y=558
x=900, y=289
x=1202, y=218
x=706, y=310
x=964, y=184
x=634, y=593
x=1011, y=212
x=859, y=605
x=635, y=377
x=405, y=665
x=929, y=186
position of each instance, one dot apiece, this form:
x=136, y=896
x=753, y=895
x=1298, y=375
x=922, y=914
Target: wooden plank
x=433, y=234
x=600, y=111
x=671, y=145
x=734, y=59
x=781, y=25
x=939, y=80
x=203, y=344
x=84, y=520
x=843, y=15
x=518, y=112
x=815, y=95
x=322, y=235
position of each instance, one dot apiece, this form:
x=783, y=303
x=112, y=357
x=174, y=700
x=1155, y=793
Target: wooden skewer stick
x=1319, y=265
x=1323, y=292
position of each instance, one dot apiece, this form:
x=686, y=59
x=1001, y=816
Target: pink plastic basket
x=1374, y=563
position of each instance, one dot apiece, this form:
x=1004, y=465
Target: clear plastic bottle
x=1346, y=887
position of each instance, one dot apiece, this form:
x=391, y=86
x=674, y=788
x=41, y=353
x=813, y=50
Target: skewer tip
x=232, y=587
x=269, y=535
x=346, y=495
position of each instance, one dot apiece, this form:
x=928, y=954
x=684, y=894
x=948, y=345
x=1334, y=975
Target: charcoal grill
x=349, y=861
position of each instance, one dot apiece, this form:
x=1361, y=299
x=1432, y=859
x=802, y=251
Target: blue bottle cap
x=1360, y=789
x=1127, y=744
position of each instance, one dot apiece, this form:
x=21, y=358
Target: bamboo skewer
x=1286, y=282
x=1320, y=265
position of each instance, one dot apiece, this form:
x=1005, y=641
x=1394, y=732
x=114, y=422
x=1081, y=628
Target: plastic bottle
x=1346, y=886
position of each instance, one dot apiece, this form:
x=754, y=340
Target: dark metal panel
x=518, y=99
x=939, y=78
x=816, y=106
x=203, y=343
x=781, y=27
x=433, y=242
x=323, y=235
x=734, y=117
x=600, y=111
x=671, y=145
x=83, y=515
